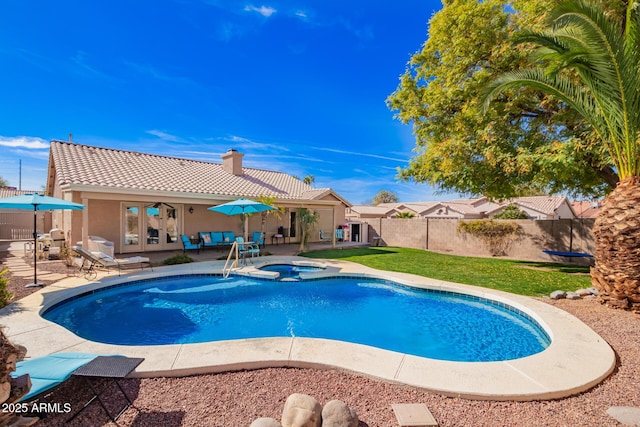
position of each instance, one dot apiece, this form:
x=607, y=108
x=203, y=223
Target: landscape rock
x=627, y=415
x=265, y=422
x=584, y=292
x=558, y=295
x=572, y=295
x=336, y=413
x=301, y=410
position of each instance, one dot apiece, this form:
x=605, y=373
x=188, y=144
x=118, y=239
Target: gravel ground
x=237, y=398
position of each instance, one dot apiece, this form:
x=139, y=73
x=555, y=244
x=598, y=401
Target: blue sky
x=298, y=86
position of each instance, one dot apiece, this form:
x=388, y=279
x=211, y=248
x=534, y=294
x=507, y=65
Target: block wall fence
x=441, y=235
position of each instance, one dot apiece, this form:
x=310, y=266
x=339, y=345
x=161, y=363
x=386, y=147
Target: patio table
x=112, y=367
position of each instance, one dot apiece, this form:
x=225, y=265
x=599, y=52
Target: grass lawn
x=518, y=277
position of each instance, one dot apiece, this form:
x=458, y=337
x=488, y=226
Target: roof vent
x=232, y=162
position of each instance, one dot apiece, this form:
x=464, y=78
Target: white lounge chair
x=93, y=260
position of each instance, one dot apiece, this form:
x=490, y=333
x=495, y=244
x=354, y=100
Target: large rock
x=301, y=410
x=265, y=422
x=558, y=295
x=336, y=413
x=584, y=292
x=572, y=295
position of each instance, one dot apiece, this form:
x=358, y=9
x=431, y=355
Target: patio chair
x=258, y=238
x=188, y=246
x=247, y=248
x=324, y=235
x=47, y=372
x=93, y=260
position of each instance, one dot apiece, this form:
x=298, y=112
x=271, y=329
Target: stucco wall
x=441, y=235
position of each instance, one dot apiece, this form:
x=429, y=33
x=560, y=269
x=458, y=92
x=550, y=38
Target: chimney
x=232, y=162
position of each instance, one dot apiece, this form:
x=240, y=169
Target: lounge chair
x=245, y=249
x=188, y=246
x=93, y=260
x=46, y=372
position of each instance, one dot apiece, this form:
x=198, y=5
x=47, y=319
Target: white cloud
x=355, y=153
x=165, y=136
x=265, y=11
x=301, y=14
x=30, y=142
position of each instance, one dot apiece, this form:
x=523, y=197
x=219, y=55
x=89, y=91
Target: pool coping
x=576, y=360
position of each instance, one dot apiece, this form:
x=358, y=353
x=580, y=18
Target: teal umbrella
x=241, y=207
x=36, y=202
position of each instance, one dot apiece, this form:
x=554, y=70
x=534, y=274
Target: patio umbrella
x=241, y=207
x=36, y=202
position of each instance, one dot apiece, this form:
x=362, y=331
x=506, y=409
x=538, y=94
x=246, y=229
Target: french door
x=150, y=227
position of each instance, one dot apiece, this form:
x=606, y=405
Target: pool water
x=290, y=271
x=367, y=311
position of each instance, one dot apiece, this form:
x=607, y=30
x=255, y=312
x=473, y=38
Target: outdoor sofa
x=214, y=239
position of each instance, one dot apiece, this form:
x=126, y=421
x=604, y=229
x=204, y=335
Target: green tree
x=529, y=142
x=385, y=196
x=511, y=211
x=589, y=59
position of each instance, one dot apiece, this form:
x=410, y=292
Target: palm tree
x=405, y=215
x=593, y=64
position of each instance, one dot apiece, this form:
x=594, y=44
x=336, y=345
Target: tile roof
x=586, y=209
x=469, y=207
x=372, y=210
x=83, y=165
x=544, y=204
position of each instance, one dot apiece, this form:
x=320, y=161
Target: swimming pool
x=374, y=312
x=576, y=360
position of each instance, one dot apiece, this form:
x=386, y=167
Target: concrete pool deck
x=576, y=360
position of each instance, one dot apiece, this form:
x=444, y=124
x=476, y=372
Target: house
x=540, y=207
x=586, y=209
x=144, y=202
x=535, y=207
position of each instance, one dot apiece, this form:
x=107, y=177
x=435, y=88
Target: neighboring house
x=536, y=207
x=16, y=224
x=540, y=207
x=144, y=202
x=357, y=212
x=586, y=209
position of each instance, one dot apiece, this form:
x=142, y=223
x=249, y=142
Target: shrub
x=511, y=212
x=5, y=295
x=178, y=259
x=496, y=235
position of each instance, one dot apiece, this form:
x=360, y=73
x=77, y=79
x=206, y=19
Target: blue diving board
x=568, y=254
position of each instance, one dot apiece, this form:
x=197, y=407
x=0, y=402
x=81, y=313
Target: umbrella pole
x=35, y=250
